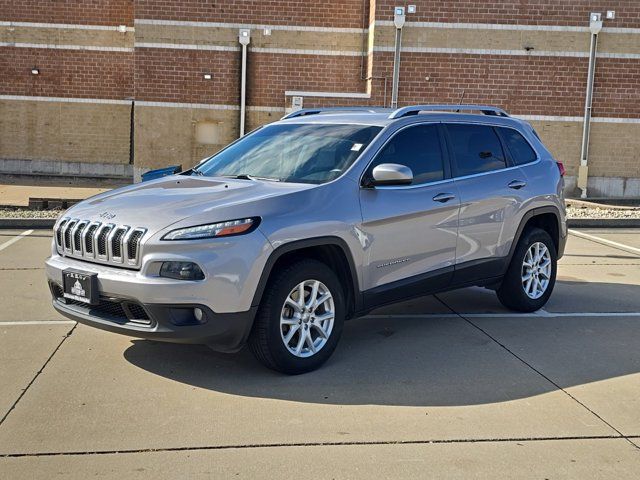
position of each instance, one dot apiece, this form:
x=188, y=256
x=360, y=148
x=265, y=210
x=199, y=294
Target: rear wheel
x=531, y=275
x=300, y=319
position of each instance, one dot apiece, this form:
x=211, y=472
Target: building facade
x=117, y=87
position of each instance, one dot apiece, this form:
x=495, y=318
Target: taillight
x=561, y=168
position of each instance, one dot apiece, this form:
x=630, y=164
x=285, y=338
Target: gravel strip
x=10, y=213
x=602, y=213
x=572, y=212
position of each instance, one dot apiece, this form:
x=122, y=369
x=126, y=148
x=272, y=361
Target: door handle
x=517, y=184
x=444, y=197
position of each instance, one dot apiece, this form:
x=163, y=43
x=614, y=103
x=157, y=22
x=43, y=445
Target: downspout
x=398, y=21
x=595, y=25
x=244, y=37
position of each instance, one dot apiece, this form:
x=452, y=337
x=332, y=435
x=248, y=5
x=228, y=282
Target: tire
x=515, y=291
x=278, y=318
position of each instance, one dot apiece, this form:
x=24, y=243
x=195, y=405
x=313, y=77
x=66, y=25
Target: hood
x=159, y=203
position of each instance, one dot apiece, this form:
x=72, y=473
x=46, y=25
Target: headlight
x=222, y=229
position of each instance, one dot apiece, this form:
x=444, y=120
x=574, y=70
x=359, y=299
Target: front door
x=410, y=231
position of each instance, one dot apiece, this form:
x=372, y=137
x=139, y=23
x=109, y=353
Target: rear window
x=476, y=149
x=520, y=150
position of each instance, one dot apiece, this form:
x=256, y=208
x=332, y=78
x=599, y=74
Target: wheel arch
x=331, y=250
x=546, y=218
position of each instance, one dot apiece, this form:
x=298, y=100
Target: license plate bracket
x=80, y=286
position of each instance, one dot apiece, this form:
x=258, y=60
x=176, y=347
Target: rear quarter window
x=476, y=149
x=520, y=150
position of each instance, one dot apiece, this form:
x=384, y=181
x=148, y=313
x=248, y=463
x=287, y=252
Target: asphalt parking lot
x=451, y=386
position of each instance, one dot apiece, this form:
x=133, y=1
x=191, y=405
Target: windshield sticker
x=356, y=147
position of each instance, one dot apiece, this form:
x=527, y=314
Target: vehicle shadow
x=429, y=360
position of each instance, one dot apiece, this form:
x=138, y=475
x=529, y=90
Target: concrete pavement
x=450, y=386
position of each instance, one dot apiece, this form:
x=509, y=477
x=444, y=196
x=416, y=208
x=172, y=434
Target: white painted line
x=15, y=239
x=299, y=93
x=66, y=47
x=502, y=26
x=38, y=322
x=65, y=99
x=67, y=26
x=538, y=314
x=604, y=241
x=187, y=46
x=522, y=53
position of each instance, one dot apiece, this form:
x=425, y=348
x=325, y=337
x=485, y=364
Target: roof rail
x=416, y=109
x=315, y=111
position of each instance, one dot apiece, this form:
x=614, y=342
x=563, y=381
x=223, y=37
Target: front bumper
x=137, y=305
x=225, y=332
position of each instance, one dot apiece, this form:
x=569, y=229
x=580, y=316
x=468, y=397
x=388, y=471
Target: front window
x=299, y=153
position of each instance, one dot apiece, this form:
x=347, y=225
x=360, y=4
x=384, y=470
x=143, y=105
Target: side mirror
x=391, y=174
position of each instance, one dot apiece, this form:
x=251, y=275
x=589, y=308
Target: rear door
x=410, y=230
x=492, y=191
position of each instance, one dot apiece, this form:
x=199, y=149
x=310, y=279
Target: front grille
x=100, y=243
x=88, y=239
x=59, y=231
x=132, y=244
x=67, y=234
x=116, y=242
x=111, y=309
x=77, y=237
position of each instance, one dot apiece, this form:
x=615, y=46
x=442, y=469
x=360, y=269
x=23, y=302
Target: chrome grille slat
x=88, y=239
x=66, y=235
x=99, y=242
x=76, y=235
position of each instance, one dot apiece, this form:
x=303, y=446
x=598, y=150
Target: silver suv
x=323, y=216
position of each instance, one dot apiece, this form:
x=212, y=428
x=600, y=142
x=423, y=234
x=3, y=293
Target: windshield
x=299, y=153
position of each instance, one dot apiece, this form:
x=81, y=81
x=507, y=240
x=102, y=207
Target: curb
x=44, y=223
x=603, y=223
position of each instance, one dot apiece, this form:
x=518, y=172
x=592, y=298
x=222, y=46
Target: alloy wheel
x=307, y=318
x=536, y=270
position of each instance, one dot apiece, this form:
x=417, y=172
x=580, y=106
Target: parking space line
x=15, y=239
x=39, y=322
x=604, y=241
x=538, y=314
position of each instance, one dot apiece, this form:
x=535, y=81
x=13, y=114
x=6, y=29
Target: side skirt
x=484, y=272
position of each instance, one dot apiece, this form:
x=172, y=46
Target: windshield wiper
x=245, y=176
x=195, y=171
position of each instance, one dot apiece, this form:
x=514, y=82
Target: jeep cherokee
x=323, y=216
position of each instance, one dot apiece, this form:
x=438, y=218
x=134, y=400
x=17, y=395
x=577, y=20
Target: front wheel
x=300, y=319
x=531, y=275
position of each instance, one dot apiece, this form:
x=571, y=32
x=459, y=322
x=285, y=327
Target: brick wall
x=522, y=85
x=66, y=73
x=173, y=75
x=90, y=12
x=270, y=75
x=518, y=12
x=327, y=13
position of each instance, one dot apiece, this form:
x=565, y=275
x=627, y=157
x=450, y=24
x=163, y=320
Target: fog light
x=181, y=271
x=199, y=314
